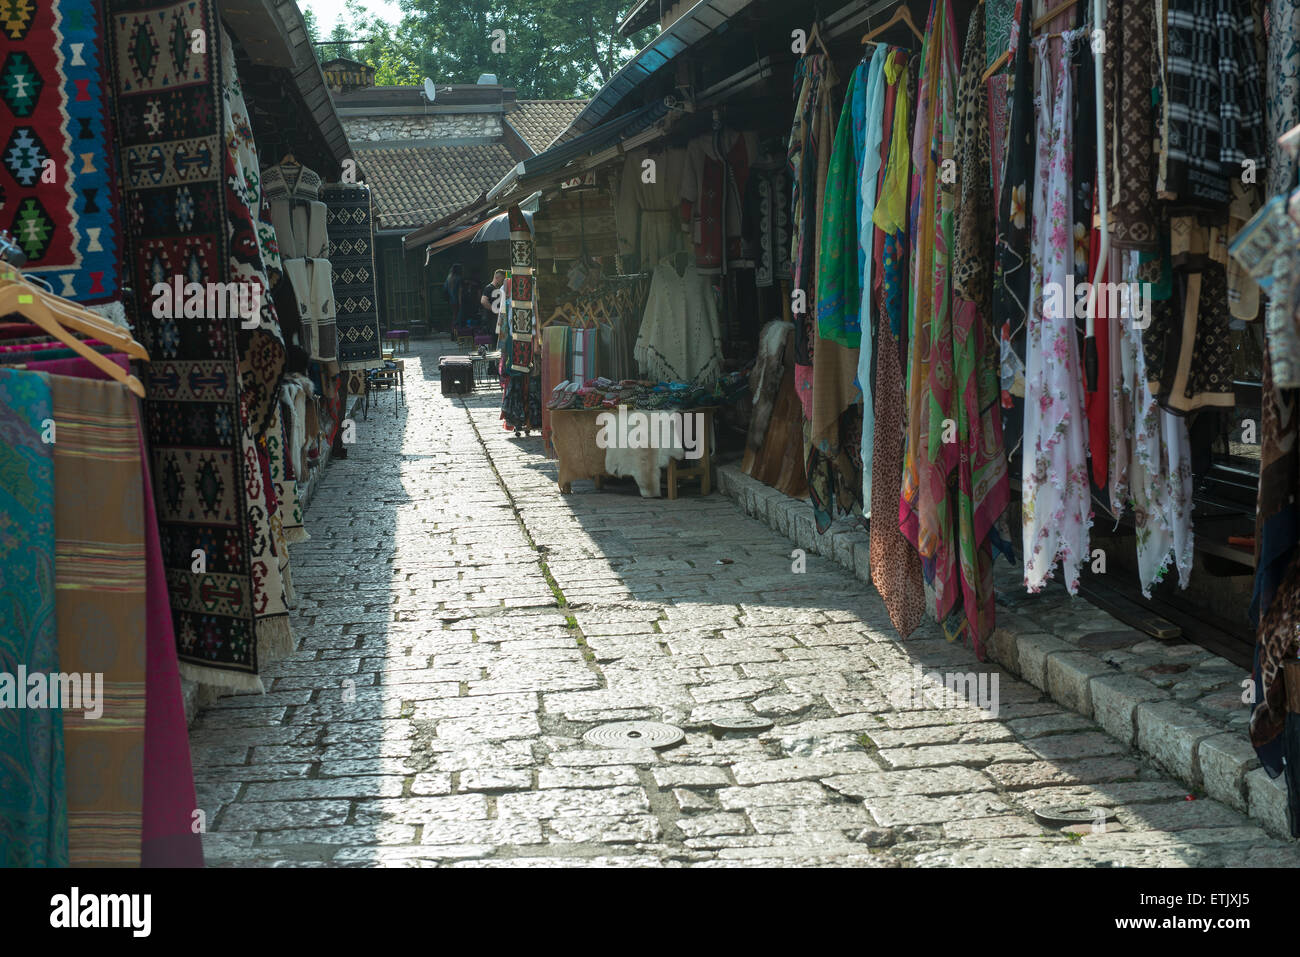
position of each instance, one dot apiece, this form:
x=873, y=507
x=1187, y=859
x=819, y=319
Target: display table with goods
x=637, y=430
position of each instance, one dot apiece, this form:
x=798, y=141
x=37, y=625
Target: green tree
x=313, y=30
x=546, y=49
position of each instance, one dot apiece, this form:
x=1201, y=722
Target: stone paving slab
x=461, y=625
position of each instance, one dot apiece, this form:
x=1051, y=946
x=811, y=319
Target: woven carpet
x=349, y=220
x=56, y=172
x=206, y=472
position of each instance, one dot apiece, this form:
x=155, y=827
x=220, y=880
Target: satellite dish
x=430, y=90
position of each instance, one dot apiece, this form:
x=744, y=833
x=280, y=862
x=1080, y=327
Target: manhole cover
x=1109, y=640
x=747, y=725
x=635, y=734
x=1064, y=815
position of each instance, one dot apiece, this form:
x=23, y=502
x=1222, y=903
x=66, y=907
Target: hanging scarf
x=982, y=484
x=1054, y=471
x=1011, y=276
x=33, y=792
x=928, y=460
x=872, y=162
x=1216, y=117
x=1159, y=473
x=839, y=298
x=814, y=80
x=895, y=565
x=1282, y=90
x=1130, y=50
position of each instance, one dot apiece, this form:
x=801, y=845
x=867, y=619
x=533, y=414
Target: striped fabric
x=100, y=610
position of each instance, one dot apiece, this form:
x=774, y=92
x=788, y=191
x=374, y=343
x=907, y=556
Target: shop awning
x=702, y=20
x=525, y=174
x=453, y=239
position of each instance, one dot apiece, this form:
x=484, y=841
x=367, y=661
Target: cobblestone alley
x=461, y=624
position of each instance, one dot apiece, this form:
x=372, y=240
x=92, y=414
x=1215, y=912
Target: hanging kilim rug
x=522, y=325
x=349, y=220
x=56, y=173
x=172, y=158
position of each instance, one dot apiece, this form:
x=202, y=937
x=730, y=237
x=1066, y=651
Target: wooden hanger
x=77, y=318
x=1041, y=22
x=816, y=37
x=14, y=298
x=901, y=15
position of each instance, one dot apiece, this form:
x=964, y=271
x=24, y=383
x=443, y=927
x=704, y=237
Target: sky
x=329, y=12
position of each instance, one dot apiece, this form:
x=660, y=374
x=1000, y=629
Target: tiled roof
x=418, y=185
x=539, y=122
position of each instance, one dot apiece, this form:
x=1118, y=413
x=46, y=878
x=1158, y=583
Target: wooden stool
x=703, y=467
x=401, y=339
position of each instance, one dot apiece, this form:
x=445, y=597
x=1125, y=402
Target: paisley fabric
x=1281, y=90
x=1055, y=508
x=33, y=799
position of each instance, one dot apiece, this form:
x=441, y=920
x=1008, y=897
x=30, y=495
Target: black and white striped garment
x=1216, y=116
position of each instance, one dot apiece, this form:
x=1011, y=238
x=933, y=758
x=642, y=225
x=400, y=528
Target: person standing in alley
x=452, y=287
x=491, y=306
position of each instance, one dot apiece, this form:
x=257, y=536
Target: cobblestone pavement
x=461, y=623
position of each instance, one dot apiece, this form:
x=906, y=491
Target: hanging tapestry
x=33, y=808
x=56, y=173
x=254, y=260
x=350, y=224
x=521, y=292
x=173, y=157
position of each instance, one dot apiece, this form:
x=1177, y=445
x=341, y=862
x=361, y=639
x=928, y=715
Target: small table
x=391, y=376
x=574, y=432
x=401, y=339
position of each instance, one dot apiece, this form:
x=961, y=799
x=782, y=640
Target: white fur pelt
x=765, y=380
x=642, y=465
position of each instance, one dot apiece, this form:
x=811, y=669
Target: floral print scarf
x=1055, y=494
